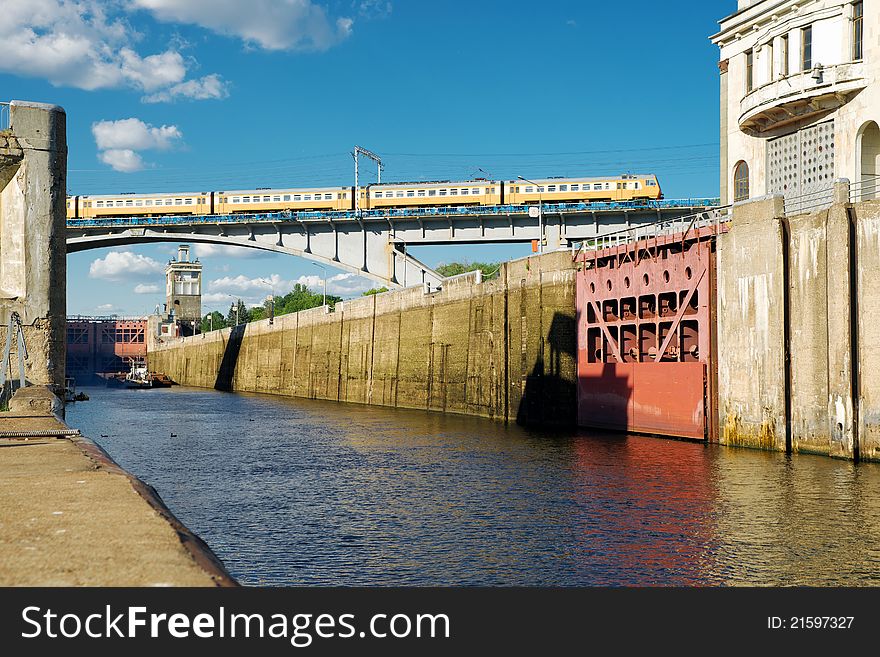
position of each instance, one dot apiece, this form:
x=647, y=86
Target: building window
x=858, y=27
x=750, y=65
x=783, y=56
x=807, y=48
x=741, y=182
x=768, y=53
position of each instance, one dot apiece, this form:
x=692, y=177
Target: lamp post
x=540, y=214
x=324, y=269
x=272, y=306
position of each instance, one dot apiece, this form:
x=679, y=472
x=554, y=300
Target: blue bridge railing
x=389, y=213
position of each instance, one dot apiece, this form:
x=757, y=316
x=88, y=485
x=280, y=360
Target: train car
x=582, y=190
x=144, y=205
x=416, y=194
x=275, y=200
x=71, y=207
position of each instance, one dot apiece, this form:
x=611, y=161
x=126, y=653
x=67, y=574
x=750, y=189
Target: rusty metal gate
x=644, y=337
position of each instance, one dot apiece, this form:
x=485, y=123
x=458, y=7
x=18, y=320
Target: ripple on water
x=302, y=492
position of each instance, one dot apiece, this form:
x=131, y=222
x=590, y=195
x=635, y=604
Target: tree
x=489, y=269
x=213, y=321
x=243, y=316
x=375, y=290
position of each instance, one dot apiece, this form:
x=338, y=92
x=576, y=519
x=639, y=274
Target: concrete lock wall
x=33, y=168
x=796, y=342
x=502, y=348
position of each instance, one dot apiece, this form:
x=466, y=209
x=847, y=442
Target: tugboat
x=138, y=377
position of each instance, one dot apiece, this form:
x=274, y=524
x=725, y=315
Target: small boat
x=138, y=377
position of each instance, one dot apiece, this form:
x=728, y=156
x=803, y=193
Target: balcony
x=800, y=97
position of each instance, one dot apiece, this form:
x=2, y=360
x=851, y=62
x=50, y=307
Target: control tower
x=183, y=290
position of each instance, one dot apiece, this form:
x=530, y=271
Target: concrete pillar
x=33, y=169
x=751, y=333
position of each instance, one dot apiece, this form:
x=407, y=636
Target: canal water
x=300, y=492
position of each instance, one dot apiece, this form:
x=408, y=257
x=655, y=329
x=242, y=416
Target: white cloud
x=118, y=141
x=141, y=288
x=208, y=87
x=77, y=43
x=254, y=291
x=374, y=8
x=135, y=134
x=269, y=24
x=122, y=159
x=121, y=265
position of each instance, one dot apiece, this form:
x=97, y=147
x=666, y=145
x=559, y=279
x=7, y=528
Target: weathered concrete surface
x=503, y=348
x=33, y=168
x=69, y=516
x=751, y=387
x=867, y=238
x=798, y=331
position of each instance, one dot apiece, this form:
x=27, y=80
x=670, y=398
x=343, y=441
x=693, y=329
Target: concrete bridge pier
x=33, y=169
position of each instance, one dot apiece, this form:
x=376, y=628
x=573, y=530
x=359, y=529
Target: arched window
x=741, y=181
x=868, y=153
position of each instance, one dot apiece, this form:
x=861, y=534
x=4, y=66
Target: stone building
x=183, y=291
x=800, y=104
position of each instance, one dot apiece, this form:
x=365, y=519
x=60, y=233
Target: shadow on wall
x=549, y=395
x=226, y=372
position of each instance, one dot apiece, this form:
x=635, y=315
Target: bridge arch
x=370, y=255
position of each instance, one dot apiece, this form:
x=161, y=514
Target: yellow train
x=476, y=192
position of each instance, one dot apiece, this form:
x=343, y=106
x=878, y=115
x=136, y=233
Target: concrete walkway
x=69, y=516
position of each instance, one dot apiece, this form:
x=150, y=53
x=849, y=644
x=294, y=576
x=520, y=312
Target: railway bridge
x=373, y=243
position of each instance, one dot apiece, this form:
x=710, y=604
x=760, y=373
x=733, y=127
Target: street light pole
x=272, y=302
x=540, y=214
x=324, y=269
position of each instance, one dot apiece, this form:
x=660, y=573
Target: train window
x=453, y=192
x=297, y=197
x=178, y=201
x=563, y=188
x=307, y=197
x=245, y=199
x=328, y=197
x=432, y=192
x=636, y=184
x=491, y=190
x=551, y=188
x=100, y=204
x=464, y=192
x=410, y=193
x=574, y=187
x=236, y=199
x=651, y=183
x=287, y=197
x=377, y=194
x=138, y=203
x=620, y=185
x=541, y=189
x=442, y=192
x=276, y=198
x=187, y=201
x=266, y=199
x=129, y=204
x=148, y=202
x=421, y=192
x=400, y=194
x=475, y=191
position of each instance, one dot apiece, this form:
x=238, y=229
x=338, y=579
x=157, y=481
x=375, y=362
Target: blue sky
x=165, y=95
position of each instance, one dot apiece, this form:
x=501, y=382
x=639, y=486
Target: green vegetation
x=299, y=298
x=489, y=269
x=375, y=290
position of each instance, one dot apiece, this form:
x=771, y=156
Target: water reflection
x=290, y=491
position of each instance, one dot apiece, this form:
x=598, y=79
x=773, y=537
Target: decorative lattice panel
x=801, y=166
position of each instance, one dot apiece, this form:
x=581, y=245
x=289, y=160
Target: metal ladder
x=14, y=327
